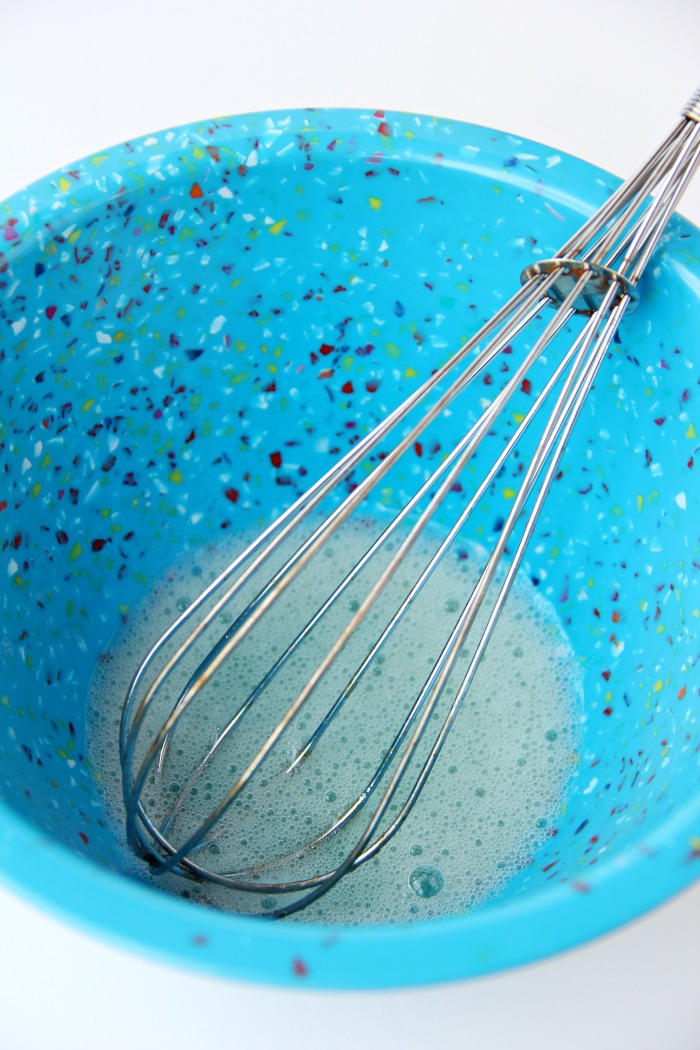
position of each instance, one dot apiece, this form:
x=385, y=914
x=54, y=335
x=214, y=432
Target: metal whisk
x=591, y=283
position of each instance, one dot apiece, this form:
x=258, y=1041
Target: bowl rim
x=493, y=938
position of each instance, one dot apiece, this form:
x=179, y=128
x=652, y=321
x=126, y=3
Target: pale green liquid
x=497, y=790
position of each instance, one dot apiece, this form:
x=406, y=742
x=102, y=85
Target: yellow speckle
x=198, y=152
x=690, y=432
x=658, y=685
x=99, y=158
x=4, y=701
x=75, y=552
x=74, y=236
x=63, y=184
x=176, y=477
x=694, y=842
x=640, y=501
x=277, y=227
x=393, y=350
x=36, y=489
x=375, y=202
x=87, y=405
x=410, y=373
x=509, y=493
x=239, y=346
x=120, y=336
x=518, y=417
x=304, y=215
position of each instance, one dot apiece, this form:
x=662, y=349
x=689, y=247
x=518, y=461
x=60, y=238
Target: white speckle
x=103, y=337
x=26, y=465
x=248, y=217
x=252, y=159
x=152, y=141
x=680, y=500
x=12, y=567
x=37, y=449
x=17, y=326
x=593, y=784
x=217, y=324
x=224, y=191
x=154, y=163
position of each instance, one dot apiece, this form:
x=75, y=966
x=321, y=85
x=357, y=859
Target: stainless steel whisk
x=592, y=278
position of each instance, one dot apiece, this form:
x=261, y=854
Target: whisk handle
x=691, y=110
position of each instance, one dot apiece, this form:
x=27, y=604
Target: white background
x=601, y=79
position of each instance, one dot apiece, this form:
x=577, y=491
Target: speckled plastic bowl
x=191, y=324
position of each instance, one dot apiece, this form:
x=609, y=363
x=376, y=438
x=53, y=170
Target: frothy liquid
x=495, y=794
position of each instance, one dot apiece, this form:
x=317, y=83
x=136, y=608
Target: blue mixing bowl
x=191, y=325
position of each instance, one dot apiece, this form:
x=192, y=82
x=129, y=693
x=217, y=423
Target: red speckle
x=581, y=887
x=418, y=449
x=232, y=495
x=196, y=190
x=299, y=968
x=606, y=675
x=50, y=311
x=348, y=388
x=372, y=385
x=326, y=349
x=276, y=459
x=660, y=420
x=83, y=838
x=97, y=545
x=190, y=437
x=3, y=504
x=526, y=386
x=681, y=691
x=61, y=537
x=607, y=711
x=385, y=129
x=213, y=153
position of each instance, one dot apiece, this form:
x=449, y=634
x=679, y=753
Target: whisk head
x=266, y=679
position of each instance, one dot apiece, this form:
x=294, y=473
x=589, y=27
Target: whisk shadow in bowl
x=195, y=324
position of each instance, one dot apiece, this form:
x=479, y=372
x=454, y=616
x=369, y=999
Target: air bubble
x=426, y=881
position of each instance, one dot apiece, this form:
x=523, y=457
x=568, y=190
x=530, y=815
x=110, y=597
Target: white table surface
x=79, y=75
